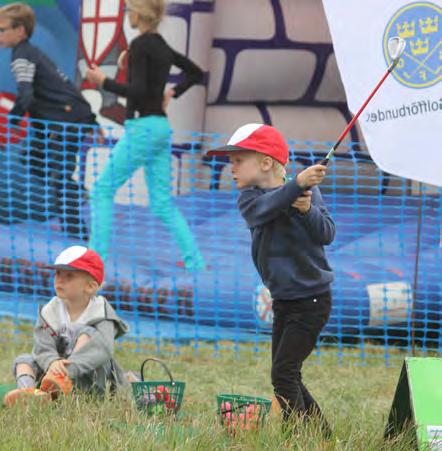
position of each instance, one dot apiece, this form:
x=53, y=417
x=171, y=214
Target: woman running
x=147, y=139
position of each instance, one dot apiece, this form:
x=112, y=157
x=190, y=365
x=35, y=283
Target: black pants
x=296, y=327
x=52, y=158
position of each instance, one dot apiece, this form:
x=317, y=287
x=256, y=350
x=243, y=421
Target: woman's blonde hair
x=150, y=11
x=19, y=14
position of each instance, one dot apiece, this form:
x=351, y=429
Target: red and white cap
x=257, y=138
x=81, y=258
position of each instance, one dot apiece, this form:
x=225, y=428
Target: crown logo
x=420, y=47
x=429, y=25
x=406, y=29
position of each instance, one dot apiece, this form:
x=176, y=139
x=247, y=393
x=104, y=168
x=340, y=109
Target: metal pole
x=416, y=269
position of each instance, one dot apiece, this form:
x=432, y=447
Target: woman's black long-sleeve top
x=149, y=64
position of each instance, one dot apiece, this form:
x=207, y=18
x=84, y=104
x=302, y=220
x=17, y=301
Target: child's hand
x=95, y=75
x=304, y=202
x=59, y=367
x=99, y=136
x=311, y=176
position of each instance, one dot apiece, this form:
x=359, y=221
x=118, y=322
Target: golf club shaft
x=355, y=118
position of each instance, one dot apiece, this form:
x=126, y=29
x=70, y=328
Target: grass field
x=356, y=400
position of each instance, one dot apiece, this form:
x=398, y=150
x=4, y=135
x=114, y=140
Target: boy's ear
x=266, y=163
x=22, y=30
x=95, y=286
x=92, y=285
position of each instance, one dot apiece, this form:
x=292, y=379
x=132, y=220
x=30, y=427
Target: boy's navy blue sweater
x=43, y=91
x=287, y=246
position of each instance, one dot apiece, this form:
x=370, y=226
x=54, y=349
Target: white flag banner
x=402, y=125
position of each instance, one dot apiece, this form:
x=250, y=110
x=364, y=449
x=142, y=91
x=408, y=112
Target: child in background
x=289, y=224
x=47, y=94
x=74, y=336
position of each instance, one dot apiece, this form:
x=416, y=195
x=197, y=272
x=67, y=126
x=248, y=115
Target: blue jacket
x=287, y=246
x=43, y=91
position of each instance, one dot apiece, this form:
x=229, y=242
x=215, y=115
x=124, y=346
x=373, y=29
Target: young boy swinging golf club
x=290, y=226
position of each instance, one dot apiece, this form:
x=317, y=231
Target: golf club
x=396, y=47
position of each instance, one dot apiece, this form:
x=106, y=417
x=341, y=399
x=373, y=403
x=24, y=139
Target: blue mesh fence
x=386, y=256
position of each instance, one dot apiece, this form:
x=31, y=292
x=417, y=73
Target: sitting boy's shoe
x=24, y=395
x=56, y=384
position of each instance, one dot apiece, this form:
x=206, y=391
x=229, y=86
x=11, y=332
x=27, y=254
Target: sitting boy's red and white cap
x=257, y=138
x=80, y=258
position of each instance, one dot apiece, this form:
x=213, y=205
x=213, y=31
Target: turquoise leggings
x=146, y=143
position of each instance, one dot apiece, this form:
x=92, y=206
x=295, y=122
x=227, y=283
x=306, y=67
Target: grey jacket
x=93, y=363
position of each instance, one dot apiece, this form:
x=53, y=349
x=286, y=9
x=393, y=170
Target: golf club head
x=396, y=47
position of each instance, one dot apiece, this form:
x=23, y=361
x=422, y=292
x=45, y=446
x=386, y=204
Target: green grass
x=356, y=400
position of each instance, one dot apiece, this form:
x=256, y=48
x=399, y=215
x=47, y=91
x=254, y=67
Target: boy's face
x=74, y=285
x=248, y=168
x=10, y=36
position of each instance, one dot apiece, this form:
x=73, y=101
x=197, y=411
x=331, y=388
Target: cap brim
x=65, y=267
x=223, y=150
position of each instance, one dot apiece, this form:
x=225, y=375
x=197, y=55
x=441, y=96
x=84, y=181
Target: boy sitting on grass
x=74, y=335
x=290, y=225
